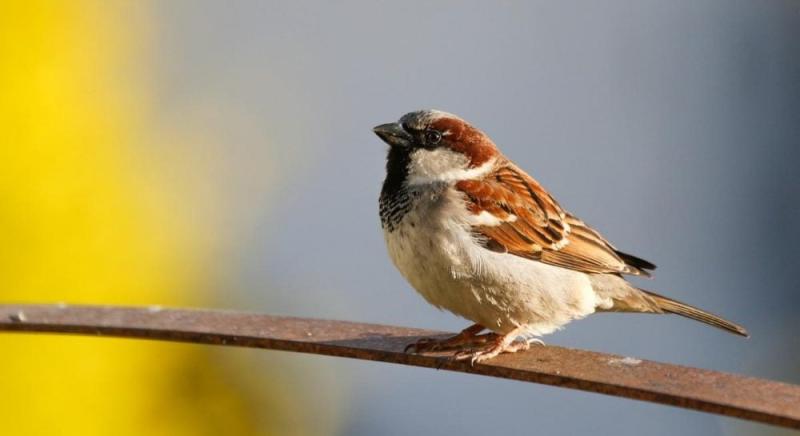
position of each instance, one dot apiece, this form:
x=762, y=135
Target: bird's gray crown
x=422, y=119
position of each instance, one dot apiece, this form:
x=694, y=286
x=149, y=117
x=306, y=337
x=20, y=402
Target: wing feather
x=530, y=223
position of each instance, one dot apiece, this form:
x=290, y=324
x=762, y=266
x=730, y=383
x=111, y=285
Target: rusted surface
x=726, y=394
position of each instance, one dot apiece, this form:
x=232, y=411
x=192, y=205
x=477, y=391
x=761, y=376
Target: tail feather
x=672, y=306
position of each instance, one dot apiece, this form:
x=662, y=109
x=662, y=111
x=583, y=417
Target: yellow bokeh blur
x=86, y=218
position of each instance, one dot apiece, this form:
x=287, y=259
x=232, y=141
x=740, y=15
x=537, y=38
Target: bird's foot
x=468, y=337
x=500, y=345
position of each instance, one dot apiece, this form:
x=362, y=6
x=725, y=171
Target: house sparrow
x=476, y=235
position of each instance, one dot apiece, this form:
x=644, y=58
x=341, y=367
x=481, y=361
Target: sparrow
x=476, y=235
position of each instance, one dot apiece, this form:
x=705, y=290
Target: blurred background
x=210, y=154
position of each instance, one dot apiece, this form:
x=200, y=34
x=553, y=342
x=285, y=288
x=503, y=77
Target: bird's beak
x=393, y=134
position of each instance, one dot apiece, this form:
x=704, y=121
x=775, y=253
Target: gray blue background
x=673, y=127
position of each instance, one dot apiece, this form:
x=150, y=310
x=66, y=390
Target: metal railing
x=727, y=394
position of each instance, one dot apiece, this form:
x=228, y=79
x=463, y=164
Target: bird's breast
x=422, y=238
x=433, y=247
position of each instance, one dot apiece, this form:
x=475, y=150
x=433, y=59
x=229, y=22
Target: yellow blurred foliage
x=83, y=219
x=76, y=216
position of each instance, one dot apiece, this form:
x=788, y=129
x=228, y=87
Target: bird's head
x=430, y=146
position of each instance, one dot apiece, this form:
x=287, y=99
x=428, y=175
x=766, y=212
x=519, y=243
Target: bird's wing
x=515, y=214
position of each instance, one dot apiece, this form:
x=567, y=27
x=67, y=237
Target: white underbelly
x=497, y=290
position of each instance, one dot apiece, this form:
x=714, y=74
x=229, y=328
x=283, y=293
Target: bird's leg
x=468, y=336
x=506, y=343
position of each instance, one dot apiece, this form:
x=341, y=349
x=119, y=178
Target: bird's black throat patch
x=395, y=200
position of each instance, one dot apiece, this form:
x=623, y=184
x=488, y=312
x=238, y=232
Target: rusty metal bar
x=709, y=391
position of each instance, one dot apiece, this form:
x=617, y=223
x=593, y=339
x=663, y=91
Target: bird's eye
x=433, y=136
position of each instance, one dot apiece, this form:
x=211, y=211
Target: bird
x=476, y=235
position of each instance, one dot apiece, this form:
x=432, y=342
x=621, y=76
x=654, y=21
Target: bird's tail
x=669, y=305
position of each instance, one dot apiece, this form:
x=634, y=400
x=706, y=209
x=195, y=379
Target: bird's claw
x=480, y=355
x=423, y=345
x=457, y=342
